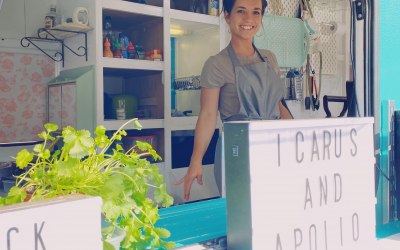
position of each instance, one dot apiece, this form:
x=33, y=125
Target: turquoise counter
x=194, y=222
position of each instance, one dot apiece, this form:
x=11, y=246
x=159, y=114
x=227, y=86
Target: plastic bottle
x=124, y=41
x=131, y=51
x=107, y=30
x=50, y=19
x=213, y=7
x=107, y=51
x=117, y=49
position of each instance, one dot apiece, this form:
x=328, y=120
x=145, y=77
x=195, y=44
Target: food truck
x=327, y=179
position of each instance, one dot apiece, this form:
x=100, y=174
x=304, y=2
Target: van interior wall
x=335, y=54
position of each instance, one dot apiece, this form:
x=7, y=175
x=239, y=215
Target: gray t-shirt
x=218, y=72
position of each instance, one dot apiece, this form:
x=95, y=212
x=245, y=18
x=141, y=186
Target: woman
x=240, y=82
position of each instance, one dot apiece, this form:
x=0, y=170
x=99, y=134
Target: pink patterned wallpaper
x=23, y=95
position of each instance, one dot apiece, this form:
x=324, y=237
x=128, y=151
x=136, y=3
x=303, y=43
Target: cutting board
x=286, y=37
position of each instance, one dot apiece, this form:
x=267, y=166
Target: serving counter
x=299, y=184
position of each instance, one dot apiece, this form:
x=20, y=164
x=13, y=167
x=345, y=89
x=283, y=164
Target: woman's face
x=244, y=19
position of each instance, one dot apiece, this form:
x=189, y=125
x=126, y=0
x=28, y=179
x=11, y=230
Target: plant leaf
x=51, y=127
x=38, y=148
x=23, y=158
x=15, y=195
x=107, y=246
x=136, y=124
x=78, y=142
x=162, y=232
x=100, y=130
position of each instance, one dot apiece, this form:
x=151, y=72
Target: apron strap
x=234, y=58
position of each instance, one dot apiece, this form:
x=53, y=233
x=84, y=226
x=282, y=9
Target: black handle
x=328, y=98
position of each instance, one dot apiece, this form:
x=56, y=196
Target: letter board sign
x=63, y=223
x=300, y=184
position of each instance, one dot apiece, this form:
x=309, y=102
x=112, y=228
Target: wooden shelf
x=122, y=63
x=147, y=124
x=132, y=8
x=179, y=15
x=66, y=30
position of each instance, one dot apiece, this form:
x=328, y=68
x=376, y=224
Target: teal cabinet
x=71, y=99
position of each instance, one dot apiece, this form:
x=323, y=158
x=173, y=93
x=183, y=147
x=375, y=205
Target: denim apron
x=260, y=91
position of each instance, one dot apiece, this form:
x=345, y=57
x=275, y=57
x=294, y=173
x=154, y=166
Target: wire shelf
x=190, y=82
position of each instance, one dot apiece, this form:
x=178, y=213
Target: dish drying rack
x=186, y=83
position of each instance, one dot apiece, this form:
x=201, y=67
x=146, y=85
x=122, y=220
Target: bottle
x=107, y=30
x=50, y=19
x=131, y=51
x=107, y=51
x=156, y=55
x=117, y=49
x=213, y=7
x=124, y=41
x=298, y=85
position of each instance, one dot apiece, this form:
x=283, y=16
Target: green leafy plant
x=93, y=166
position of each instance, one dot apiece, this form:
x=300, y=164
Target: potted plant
x=98, y=167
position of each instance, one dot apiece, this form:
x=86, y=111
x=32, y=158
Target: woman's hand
x=204, y=130
x=195, y=171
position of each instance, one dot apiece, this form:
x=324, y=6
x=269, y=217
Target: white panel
x=35, y=11
x=12, y=19
x=193, y=50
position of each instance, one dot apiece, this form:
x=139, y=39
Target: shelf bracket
x=27, y=41
x=47, y=35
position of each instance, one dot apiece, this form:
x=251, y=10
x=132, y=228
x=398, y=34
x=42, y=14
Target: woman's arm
x=205, y=128
x=285, y=113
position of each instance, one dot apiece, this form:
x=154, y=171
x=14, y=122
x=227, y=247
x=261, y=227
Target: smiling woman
x=240, y=82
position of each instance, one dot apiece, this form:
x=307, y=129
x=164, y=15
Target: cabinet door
x=55, y=104
x=68, y=108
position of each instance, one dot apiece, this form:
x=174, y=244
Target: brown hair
x=228, y=5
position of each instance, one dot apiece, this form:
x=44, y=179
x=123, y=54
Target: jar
x=148, y=55
x=156, y=55
x=140, y=52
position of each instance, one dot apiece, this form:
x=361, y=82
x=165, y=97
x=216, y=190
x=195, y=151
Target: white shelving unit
x=203, y=36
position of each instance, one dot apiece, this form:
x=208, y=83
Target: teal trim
x=388, y=229
x=194, y=222
x=382, y=198
x=389, y=89
x=173, y=74
x=389, y=52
